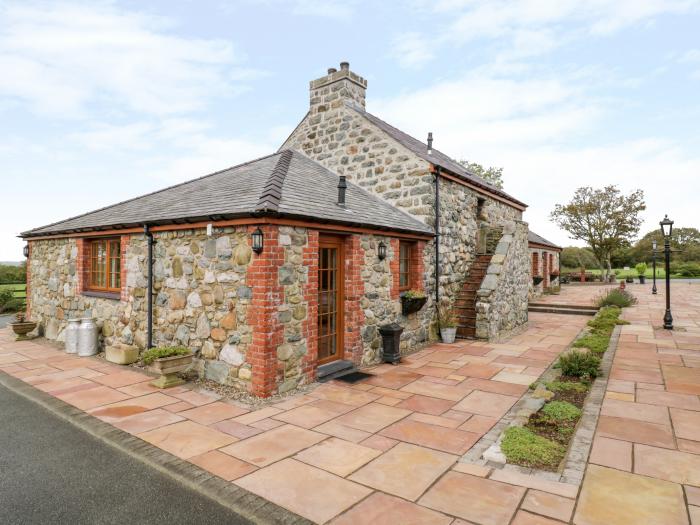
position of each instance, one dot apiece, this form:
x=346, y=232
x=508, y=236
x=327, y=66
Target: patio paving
x=387, y=449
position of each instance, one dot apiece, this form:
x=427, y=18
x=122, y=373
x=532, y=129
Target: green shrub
x=641, y=268
x=689, y=269
x=556, y=411
x=169, y=351
x=595, y=342
x=6, y=296
x=617, y=297
x=579, y=364
x=524, y=447
x=414, y=294
x=566, y=386
x=13, y=305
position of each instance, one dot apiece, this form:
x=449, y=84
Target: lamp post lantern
x=653, y=265
x=667, y=229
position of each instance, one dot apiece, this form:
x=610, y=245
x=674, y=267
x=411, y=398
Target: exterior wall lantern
x=381, y=251
x=257, y=237
x=667, y=229
x=25, y=250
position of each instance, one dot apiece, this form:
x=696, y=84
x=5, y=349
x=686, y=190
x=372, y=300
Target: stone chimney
x=337, y=86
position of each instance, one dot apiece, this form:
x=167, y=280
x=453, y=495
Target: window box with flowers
x=412, y=301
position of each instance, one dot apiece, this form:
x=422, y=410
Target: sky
x=102, y=101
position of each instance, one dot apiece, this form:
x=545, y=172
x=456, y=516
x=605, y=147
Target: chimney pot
x=332, y=70
x=342, y=186
x=345, y=66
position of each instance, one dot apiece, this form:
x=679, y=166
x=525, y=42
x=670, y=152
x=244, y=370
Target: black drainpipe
x=437, y=236
x=149, y=295
x=437, y=224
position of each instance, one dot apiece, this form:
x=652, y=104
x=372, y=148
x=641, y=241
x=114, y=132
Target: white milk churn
x=87, y=337
x=72, y=336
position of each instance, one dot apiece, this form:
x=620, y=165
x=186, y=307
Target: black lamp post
x=653, y=265
x=666, y=229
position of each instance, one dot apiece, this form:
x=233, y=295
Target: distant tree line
x=13, y=274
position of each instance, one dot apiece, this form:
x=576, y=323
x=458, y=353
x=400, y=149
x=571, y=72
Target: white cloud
x=542, y=131
x=411, y=49
x=67, y=58
x=324, y=8
x=528, y=28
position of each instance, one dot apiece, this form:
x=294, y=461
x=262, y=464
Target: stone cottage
x=544, y=264
x=281, y=270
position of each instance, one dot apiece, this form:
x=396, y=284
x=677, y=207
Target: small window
x=104, y=272
x=405, y=249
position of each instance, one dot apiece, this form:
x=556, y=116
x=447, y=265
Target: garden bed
x=543, y=439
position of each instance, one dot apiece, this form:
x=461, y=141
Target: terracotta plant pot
x=22, y=329
x=168, y=368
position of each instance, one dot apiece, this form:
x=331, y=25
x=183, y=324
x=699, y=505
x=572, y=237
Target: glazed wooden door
x=331, y=261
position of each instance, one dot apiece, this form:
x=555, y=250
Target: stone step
x=559, y=310
x=334, y=369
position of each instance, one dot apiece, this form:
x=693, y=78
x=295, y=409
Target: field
x=19, y=291
x=621, y=273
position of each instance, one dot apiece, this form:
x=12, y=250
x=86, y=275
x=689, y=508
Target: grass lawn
x=19, y=290
x=621, y=273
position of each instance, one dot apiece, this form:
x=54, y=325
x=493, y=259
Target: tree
x=492, y=175
x=684, y=241
x=575, y=257
x=604, y=218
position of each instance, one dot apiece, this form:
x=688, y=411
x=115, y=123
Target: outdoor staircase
x=465, y=304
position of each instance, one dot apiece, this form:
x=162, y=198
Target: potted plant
x=167, y=362
x=447, y=323
x=641, y=271
x=21, y=327
x=412, y=301
x=537, y=279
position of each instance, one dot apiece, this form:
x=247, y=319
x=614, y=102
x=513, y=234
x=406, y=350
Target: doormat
x=353, y=377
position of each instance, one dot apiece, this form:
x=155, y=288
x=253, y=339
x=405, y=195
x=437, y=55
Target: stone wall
x=461, y=218
x=381, y=304
x=502, y=300
x=201, y=297
x=344, y=141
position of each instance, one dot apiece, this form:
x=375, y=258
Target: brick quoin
x=82, y=265
x=268, y=333
x=28, y=300
x=354, y=290
x=123, y=247
x=310, y=325
x=394, y=268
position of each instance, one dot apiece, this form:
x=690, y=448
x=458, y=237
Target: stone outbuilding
x=281, y=270
x=544, y=264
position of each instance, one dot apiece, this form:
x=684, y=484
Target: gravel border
x=226, y=493
x=580, y=444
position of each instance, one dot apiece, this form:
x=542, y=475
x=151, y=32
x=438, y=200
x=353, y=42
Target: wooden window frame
x=410, y=247
x=112, y=279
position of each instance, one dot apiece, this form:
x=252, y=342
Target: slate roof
x=285, y=183
x=532, y=237
x=438, y=158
